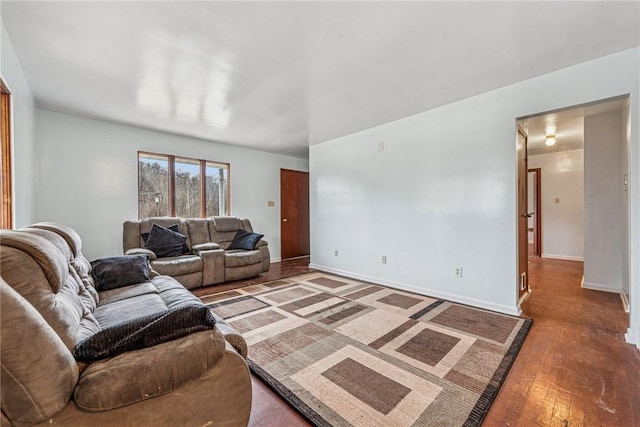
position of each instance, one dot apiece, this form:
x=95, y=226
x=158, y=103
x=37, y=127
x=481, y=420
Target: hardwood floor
x=574, y=368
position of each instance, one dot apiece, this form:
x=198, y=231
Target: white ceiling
x=280, y=76
x=567, y=125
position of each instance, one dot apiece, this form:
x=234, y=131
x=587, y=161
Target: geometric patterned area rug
x=348, y=353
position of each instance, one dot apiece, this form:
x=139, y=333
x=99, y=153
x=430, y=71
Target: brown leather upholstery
x=47, y=308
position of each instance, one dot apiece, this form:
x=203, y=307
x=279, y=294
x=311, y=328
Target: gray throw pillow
x=165, y=242
x=118, y=271
x=174, y=227
x=245, y=240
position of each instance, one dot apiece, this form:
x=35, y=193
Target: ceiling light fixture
x=550, y=140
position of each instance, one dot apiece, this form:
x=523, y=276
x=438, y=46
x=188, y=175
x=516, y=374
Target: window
x=180, y=186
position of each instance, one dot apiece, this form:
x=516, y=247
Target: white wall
x=604, y=192
x=626, y=135
x=87, y=177
x=443, y=193
x=562, y=178
x=23, y=109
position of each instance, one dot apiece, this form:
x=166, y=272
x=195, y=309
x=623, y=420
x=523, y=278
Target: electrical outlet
x=335, y=253
x=384, y=259
x=457, y=271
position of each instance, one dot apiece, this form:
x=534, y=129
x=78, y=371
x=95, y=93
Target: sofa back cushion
x=79, y=263
x=38, y=270
x=38, y=372
x=198, y=230
x=223, y=229
x=131, y=235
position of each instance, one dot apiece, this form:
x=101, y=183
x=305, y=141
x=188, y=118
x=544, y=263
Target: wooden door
x=294, y=213
x=523, y=216
x=534, y=209
x=6, y=202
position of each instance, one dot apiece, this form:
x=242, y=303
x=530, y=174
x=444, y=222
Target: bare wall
x=562, y=194
x=604, y=202
x=443, y=192
x=88, y=177
x=23, y=122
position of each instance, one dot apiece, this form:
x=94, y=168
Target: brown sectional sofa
x=208, y=261
x=50, y=305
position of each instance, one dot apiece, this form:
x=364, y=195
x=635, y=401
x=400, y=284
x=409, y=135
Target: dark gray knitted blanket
x=144, y=332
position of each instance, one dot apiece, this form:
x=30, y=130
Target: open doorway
x=580, y=156
x=534, y=211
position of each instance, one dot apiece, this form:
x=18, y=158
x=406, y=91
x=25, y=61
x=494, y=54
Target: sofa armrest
x=212, y=266
x=141, y=251
x=231, y=335
x=261, y=242
x=209, y=246
x=142, y=374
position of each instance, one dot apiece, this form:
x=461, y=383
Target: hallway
x=575, y=368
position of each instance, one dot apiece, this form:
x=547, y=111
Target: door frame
x=6, y=178
x=537, y=235
x=522, y=279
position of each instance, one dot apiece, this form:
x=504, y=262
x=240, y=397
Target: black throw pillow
x=145, y=331
x=165, y=242
x=174, y=227
x=118, y=271
x=245, y=240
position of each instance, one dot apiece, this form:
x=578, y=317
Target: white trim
x=5, y=86
x=625, y=301
x=599, y=287
x=632, y=339
x=277, y=259
x=564, y=257
x=523, y=298
x=514, y=311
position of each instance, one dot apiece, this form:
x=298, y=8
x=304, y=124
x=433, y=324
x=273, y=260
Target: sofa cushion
x=144, y=332
x=68, y=233
x=126, y=292
x=226, y=223
x=165, y=242
x=38, y=372
x=245, y=240
x=118, y=271
x=143, y=374
x=39, y=272
x=177, y=266
x=240, y=258
x=198, y=231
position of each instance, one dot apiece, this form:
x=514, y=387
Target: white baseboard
x=514, y=311
x=563, y=257
x=625, y=301
x=599, y=287
x=632, y=339
x=278, y=259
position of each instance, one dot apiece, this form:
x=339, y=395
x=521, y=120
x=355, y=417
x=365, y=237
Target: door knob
x=285, y=220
